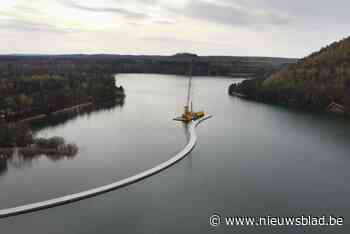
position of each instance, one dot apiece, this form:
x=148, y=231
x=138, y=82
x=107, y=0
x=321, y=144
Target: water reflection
x=65, y=117
x=3, y=166
x=188, y=159
x=21, y=158
x=186, y=132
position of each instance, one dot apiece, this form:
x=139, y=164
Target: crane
x=189, y=114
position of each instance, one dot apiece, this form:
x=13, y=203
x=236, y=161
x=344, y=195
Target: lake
x=252, y=159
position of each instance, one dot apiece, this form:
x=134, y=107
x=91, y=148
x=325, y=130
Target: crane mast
x=189, y=114
x=189, y=101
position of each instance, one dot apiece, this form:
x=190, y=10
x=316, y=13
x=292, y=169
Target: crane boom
x=189, y=114
x=189, y=86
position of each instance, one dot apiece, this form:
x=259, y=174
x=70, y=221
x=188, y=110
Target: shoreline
x=235, y=94
x=41, y=116
x=4, y=213
x=60, y=111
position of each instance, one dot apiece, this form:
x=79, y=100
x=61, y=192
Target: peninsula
x=33, y=97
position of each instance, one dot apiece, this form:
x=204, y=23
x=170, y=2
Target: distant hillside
x=313, y=82
x=18, y=65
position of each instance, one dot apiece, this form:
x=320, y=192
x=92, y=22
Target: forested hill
x=18, y=65
x=313, y=82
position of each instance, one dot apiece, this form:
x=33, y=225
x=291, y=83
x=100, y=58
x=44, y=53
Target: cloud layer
x=115, y=10
x=208, y=27
x=231, y=15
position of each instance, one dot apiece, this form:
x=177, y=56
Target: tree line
x=17, y=66
x=313, y=82
x=42, y=94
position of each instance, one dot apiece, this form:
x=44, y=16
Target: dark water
x=252, y=159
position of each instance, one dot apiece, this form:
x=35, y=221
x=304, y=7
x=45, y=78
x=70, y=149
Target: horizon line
x=135, y=55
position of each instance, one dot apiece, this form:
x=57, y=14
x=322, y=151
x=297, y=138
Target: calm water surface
x=252, y=159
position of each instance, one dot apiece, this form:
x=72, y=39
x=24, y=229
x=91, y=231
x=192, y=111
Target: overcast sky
x=206, y=27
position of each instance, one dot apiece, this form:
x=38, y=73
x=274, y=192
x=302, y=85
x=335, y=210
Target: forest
x=24, y=65
x=314, y=82
x=24, y=98
x=33, y=95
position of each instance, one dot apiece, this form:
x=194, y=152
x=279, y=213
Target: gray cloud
x=114, y=10
x=29, y=26
x=231, y=15
x=133, y=24
x=304, y=12
x=164, y=22
x=258, y=27
x=164, y=39
x=173, y=40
